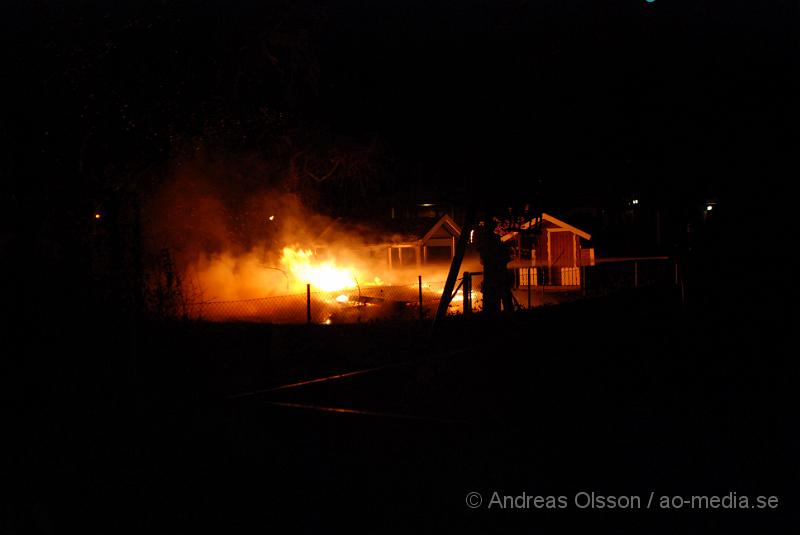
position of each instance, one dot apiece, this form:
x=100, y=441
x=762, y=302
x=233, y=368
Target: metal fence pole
x=421, y=311
x=529, y=287
x=308, y=303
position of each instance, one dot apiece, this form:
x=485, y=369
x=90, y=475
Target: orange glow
x=322, y=275
x=273, y=248
x=97, y=215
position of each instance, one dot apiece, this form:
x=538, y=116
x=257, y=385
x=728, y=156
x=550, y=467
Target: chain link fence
x=418, y=300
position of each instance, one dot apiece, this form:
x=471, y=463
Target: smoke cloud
x=234, y=232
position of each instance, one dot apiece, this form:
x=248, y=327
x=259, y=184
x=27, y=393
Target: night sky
x=567, y=104
x=620, y=94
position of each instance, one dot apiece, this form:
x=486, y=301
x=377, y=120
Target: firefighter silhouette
x=497, y=279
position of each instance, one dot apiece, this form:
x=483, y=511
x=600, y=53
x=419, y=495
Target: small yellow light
x=97, y=215
x=272, y=218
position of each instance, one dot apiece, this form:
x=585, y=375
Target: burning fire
x=264, y=254
x=322, y=275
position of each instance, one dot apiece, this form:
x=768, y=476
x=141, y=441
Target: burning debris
x=326, y=275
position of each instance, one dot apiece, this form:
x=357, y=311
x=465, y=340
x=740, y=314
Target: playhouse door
x=562, y=258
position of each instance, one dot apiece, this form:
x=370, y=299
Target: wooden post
x=455, y=265
x=583, y=281
x=421, y=311
x=308, y=303
x=466, y=291
x=529, y=287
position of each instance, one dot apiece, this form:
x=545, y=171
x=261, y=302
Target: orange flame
x=325, y=275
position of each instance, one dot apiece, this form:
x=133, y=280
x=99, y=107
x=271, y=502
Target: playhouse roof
x=389, y=231
x=553, y=221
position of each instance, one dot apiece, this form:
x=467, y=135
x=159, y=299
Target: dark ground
x=622, y=395
x=119, y=426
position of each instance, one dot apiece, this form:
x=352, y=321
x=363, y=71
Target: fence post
x=584, y=286
x=308, y=303
x=466, y=291
x=635, y=273
x=529, y=287
x=421, y=311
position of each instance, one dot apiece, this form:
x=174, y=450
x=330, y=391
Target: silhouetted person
x=497, y=281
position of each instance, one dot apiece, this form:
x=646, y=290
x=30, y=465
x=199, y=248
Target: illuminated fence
x=369, y=303
x=276, y=309
x=420, y=299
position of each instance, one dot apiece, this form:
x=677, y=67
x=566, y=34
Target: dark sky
x=669, y=97
x=595, y=93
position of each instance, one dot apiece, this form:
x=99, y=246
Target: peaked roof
x=444, y=221
x=555, y=221
x=402, y=230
